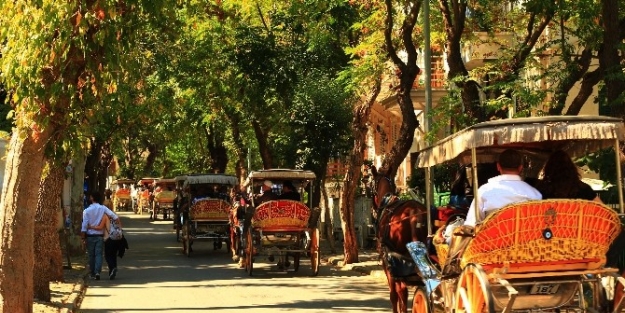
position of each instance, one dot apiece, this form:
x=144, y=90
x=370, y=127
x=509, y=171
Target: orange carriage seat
x=281, y=215
x=166, y=196
x=547, y=235
x=210, y=210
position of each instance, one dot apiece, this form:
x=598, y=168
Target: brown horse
x=397, y=223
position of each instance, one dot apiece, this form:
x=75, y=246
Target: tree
x=49, y=266
x=59, y=62
x=406, y=70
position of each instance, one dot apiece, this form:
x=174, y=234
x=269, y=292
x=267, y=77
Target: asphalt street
x=155, y=276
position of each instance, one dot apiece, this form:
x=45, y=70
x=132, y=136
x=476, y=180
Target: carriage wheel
x=249, y=253
x=315, y=254
x=420, y=301
x=473, y=293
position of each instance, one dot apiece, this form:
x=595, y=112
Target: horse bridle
x=375, y=183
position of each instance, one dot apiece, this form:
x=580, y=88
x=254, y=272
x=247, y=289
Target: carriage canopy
x=123, y=181
x=219, y=179
x=535, y=137
x=280, y=174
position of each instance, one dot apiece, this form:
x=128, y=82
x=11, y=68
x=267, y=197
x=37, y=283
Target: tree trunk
x=407, y=74
x=352, y=175
x=77, y=201
x=575, y=71
x=239, y=147
x=610, y=60
x=106, y=156
x=129, y=158
x=49, y=265
x=92, y=164
x=454, y=28
x=216, y=149
x=263, y=145
x=24, y=164
x=585, y=91
x=328, y=229
x=153, y=152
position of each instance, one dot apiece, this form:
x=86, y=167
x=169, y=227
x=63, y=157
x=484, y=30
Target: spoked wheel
x=473, y=293
x=315, y=254
x=249, y=254
x=420, y=301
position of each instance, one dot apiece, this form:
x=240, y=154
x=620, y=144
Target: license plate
x=544, y=289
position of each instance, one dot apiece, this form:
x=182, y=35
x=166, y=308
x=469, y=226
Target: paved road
x=155, y=276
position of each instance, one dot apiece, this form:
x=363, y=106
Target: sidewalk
x=369, y=263
x=66, y=295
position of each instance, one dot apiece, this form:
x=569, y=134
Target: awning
x=220, y=179
x=280, y=174
x=534, y=136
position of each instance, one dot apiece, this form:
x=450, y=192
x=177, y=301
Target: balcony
x=485, y=48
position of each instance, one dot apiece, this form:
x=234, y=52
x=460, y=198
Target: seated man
x=498, y=192
x=502, y=190
x=289, y=192
x=267, y=195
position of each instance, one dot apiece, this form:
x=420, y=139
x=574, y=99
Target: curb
x=73, y=301
x=369, y=265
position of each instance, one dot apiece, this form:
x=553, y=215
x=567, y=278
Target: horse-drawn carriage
x=121, y=194
x=280, y=229
x=144, y=195
x=163, y=197
x=546, y=255
x=207, y=212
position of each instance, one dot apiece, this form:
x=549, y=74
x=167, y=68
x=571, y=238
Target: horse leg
x=234, y=246
x=393, y=296
x=402, y=293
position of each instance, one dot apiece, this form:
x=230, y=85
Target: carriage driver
x=268, y=194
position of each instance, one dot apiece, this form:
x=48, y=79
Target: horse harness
x=400, y=266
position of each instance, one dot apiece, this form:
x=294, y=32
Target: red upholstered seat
x=566, y=234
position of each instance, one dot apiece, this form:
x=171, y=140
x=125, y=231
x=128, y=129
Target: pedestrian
x=94, y=238
x=113, y=247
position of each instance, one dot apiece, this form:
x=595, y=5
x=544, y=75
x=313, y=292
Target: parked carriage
x=207, y=217
x=163, y=197
x=144, y=195
x=544, y=255
x=280, y=229
x=121, y=194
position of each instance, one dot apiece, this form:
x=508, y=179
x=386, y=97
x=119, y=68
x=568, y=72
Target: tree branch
x=388, y=32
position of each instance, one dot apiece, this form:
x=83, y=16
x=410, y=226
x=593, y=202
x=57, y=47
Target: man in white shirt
x=94, y=238
x=502, y=190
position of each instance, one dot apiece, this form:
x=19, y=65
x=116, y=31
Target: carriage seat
x=166, y=196
x=210, y=210
x=281, y=215
x=546, y=235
